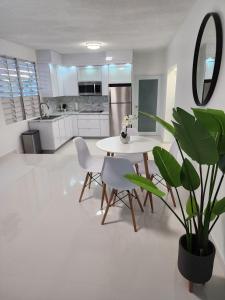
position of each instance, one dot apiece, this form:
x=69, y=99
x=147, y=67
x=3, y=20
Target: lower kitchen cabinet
x=56, y=132
x=93, y=125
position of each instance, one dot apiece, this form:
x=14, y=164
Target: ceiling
x=62, y=25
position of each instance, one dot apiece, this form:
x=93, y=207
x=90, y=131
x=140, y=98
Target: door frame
x=135, y=100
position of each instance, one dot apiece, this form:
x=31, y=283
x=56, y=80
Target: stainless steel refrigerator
x=120, y=104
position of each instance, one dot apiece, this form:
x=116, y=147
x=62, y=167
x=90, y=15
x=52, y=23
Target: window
x=18, y=89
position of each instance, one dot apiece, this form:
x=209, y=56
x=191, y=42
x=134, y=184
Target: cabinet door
x=74, y=126
x=44, y=80
x=70, y=85
x=60, y=79
x=120, y=73
x=54, y=80
x=89, y=73
x=90, y=132
x=55, y=135
x=88, y=124
x=68, y=127
x=62, y=130
x=104, y=127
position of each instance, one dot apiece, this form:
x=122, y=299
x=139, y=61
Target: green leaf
x=209, y=215
x=145, y=184
x=219, y=207
x=194, y=138
x=189, y=177
x=221, y=163
x=191, y=208
x=165, y=124
x=168, y=166
x=214, y=121
x=208, y=120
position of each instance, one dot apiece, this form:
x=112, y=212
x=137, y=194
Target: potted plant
x=127, y=122
x=201, y=141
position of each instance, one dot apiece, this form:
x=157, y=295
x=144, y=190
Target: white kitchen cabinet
x=62, y=130
x=104, y=126
x=74, y=126
x=49, y=134
x=95, y=125
x=90, y=132
x=50, y=79
x=90, y=73
x=54, y=134
x=44, y=80
x=70, y=81
x=68, y=127
x=120, y=73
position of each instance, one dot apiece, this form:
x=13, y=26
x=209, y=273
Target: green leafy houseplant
x=201, y=138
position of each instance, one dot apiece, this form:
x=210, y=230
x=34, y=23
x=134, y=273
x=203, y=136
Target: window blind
x=29, y=88
x=10, y=93
x=19, y=94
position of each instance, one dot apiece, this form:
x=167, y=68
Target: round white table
x=137, y=145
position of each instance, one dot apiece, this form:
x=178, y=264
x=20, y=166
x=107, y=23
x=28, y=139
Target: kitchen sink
x=91, y=111
x=47, y=118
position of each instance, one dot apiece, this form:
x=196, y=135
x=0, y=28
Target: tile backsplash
x=77, y=103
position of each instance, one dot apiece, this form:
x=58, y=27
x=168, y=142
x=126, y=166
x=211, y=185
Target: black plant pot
x=195, y=268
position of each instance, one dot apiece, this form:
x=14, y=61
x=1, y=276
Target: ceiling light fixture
x=108, y=58
x=93, y=45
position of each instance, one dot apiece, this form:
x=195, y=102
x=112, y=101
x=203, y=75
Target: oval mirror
x=207, y=58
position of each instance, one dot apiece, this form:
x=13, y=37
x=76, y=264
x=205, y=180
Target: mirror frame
x=218, y=57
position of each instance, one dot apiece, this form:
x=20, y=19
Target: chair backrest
x=82, y=151
x=174, y=149
x=114, y=169
x=132, y=131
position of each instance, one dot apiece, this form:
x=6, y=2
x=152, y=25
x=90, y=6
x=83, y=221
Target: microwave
x=90, y=88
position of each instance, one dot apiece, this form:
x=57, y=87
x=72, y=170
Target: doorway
x=147, y=90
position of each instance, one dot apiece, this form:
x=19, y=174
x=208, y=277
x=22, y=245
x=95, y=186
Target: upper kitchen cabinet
x=121, y=73
x=50, y=80
x=90, y=73
x=70, y=86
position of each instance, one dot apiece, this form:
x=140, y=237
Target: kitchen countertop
x=68, y=113
x=79, y=112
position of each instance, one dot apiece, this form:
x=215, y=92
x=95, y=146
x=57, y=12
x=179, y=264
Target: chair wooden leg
x=151, y=202
x=146, y=198
x=171, y=193
x=84, y=186
x=90, y=177
x=190, y=286
x=103, y=194
x=137, y=169
x=138, y=200
x=107, y=207
x=148, y=194
x=132, y=211
x=114, y=198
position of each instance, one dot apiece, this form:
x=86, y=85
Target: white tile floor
x=53, y=248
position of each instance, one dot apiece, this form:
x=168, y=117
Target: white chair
x=91, y=164
x=155, y=174
x=113, y=172
x=133, y=158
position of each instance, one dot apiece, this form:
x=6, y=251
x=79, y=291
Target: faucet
x=42, y=113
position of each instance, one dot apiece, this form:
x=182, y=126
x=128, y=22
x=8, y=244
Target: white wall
x=180, y=53
x=10, y=134
x=149, y=63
